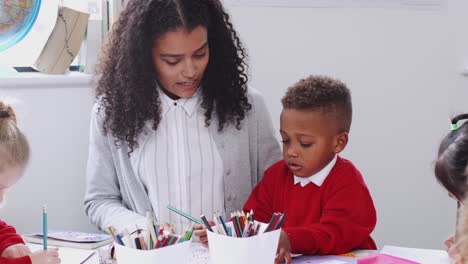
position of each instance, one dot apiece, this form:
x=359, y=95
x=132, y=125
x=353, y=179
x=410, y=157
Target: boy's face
x=310, y=140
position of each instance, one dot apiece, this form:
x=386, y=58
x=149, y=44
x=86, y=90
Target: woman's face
x=180, y=58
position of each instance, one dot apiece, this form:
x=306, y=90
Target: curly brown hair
x=322, y=93
x=127, y=86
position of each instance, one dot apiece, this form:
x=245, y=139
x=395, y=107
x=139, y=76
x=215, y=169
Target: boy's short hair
x=322, y=93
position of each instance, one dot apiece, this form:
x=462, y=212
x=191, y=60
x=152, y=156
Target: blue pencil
x=119, y=240
x=44, y=226
x=223, y=223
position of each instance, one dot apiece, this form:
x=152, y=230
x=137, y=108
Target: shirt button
x=175, y=103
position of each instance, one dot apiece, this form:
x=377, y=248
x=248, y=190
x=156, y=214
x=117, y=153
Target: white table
x=200, y=254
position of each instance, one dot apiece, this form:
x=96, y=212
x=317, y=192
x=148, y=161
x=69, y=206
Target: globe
x=16, y=19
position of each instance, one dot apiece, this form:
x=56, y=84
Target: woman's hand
x=284, y=249
x=16, y=251
x=201, y=233
x=49, y=256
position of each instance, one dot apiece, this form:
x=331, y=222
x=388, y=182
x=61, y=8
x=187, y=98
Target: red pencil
x=158, y=242
x=165, y=241
x=236, y=227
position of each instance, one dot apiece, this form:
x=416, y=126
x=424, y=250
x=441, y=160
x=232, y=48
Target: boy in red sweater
x=14, y=154
x=328, y=207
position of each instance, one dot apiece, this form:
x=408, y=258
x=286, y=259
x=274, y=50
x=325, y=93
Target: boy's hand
x=16, y=251
x=284, y=249
x=201, y=233
x=49, y=256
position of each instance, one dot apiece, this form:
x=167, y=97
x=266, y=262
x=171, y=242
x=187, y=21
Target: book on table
x=72, y=239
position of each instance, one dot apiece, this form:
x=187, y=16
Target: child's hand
x=452, y=247
x=453, y=251
x=284, y=249
x=458, y=261
x=201, y=233
x=449, y=242
x=49, y=256
x=456, y=258
x=16, y=251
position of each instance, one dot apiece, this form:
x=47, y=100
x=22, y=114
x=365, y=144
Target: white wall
x=401, y=65
x=54, y=113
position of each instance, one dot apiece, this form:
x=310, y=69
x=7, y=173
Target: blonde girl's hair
x=14, y=147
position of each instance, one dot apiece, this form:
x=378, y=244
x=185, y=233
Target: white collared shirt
x=180, y=164
x=319, y=177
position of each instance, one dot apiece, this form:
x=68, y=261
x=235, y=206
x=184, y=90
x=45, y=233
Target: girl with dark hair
x=175, y=122
x=451, y=168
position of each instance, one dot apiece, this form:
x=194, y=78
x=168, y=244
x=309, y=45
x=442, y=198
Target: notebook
x=72, y=239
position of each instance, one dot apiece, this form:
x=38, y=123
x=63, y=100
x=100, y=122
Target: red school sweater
x=332, y=219
x=9, y=237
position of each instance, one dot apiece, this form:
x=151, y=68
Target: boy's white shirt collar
x=188, y=104
x=319, y=177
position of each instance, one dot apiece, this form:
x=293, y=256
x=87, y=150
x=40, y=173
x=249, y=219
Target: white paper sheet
x=70, y=255
x=424, y=256
x=259, y=249
x=178, y=253
x=200, y=254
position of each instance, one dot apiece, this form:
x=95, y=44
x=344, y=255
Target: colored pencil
x=185, y=215
x=44, y=226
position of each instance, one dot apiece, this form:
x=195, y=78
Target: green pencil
x=185, y=215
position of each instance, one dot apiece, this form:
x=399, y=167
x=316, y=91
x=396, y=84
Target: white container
x=259, y=249
x=177, y=253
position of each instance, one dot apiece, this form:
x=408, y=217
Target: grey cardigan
x=116, y=196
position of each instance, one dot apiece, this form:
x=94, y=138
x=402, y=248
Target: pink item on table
x=384, y=259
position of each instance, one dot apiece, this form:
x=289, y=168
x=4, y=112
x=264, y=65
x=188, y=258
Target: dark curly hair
x=452, y=162
x=322, y=93
x=127, y=84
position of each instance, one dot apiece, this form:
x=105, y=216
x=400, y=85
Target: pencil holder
x=177, y=253
x=258, y=249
